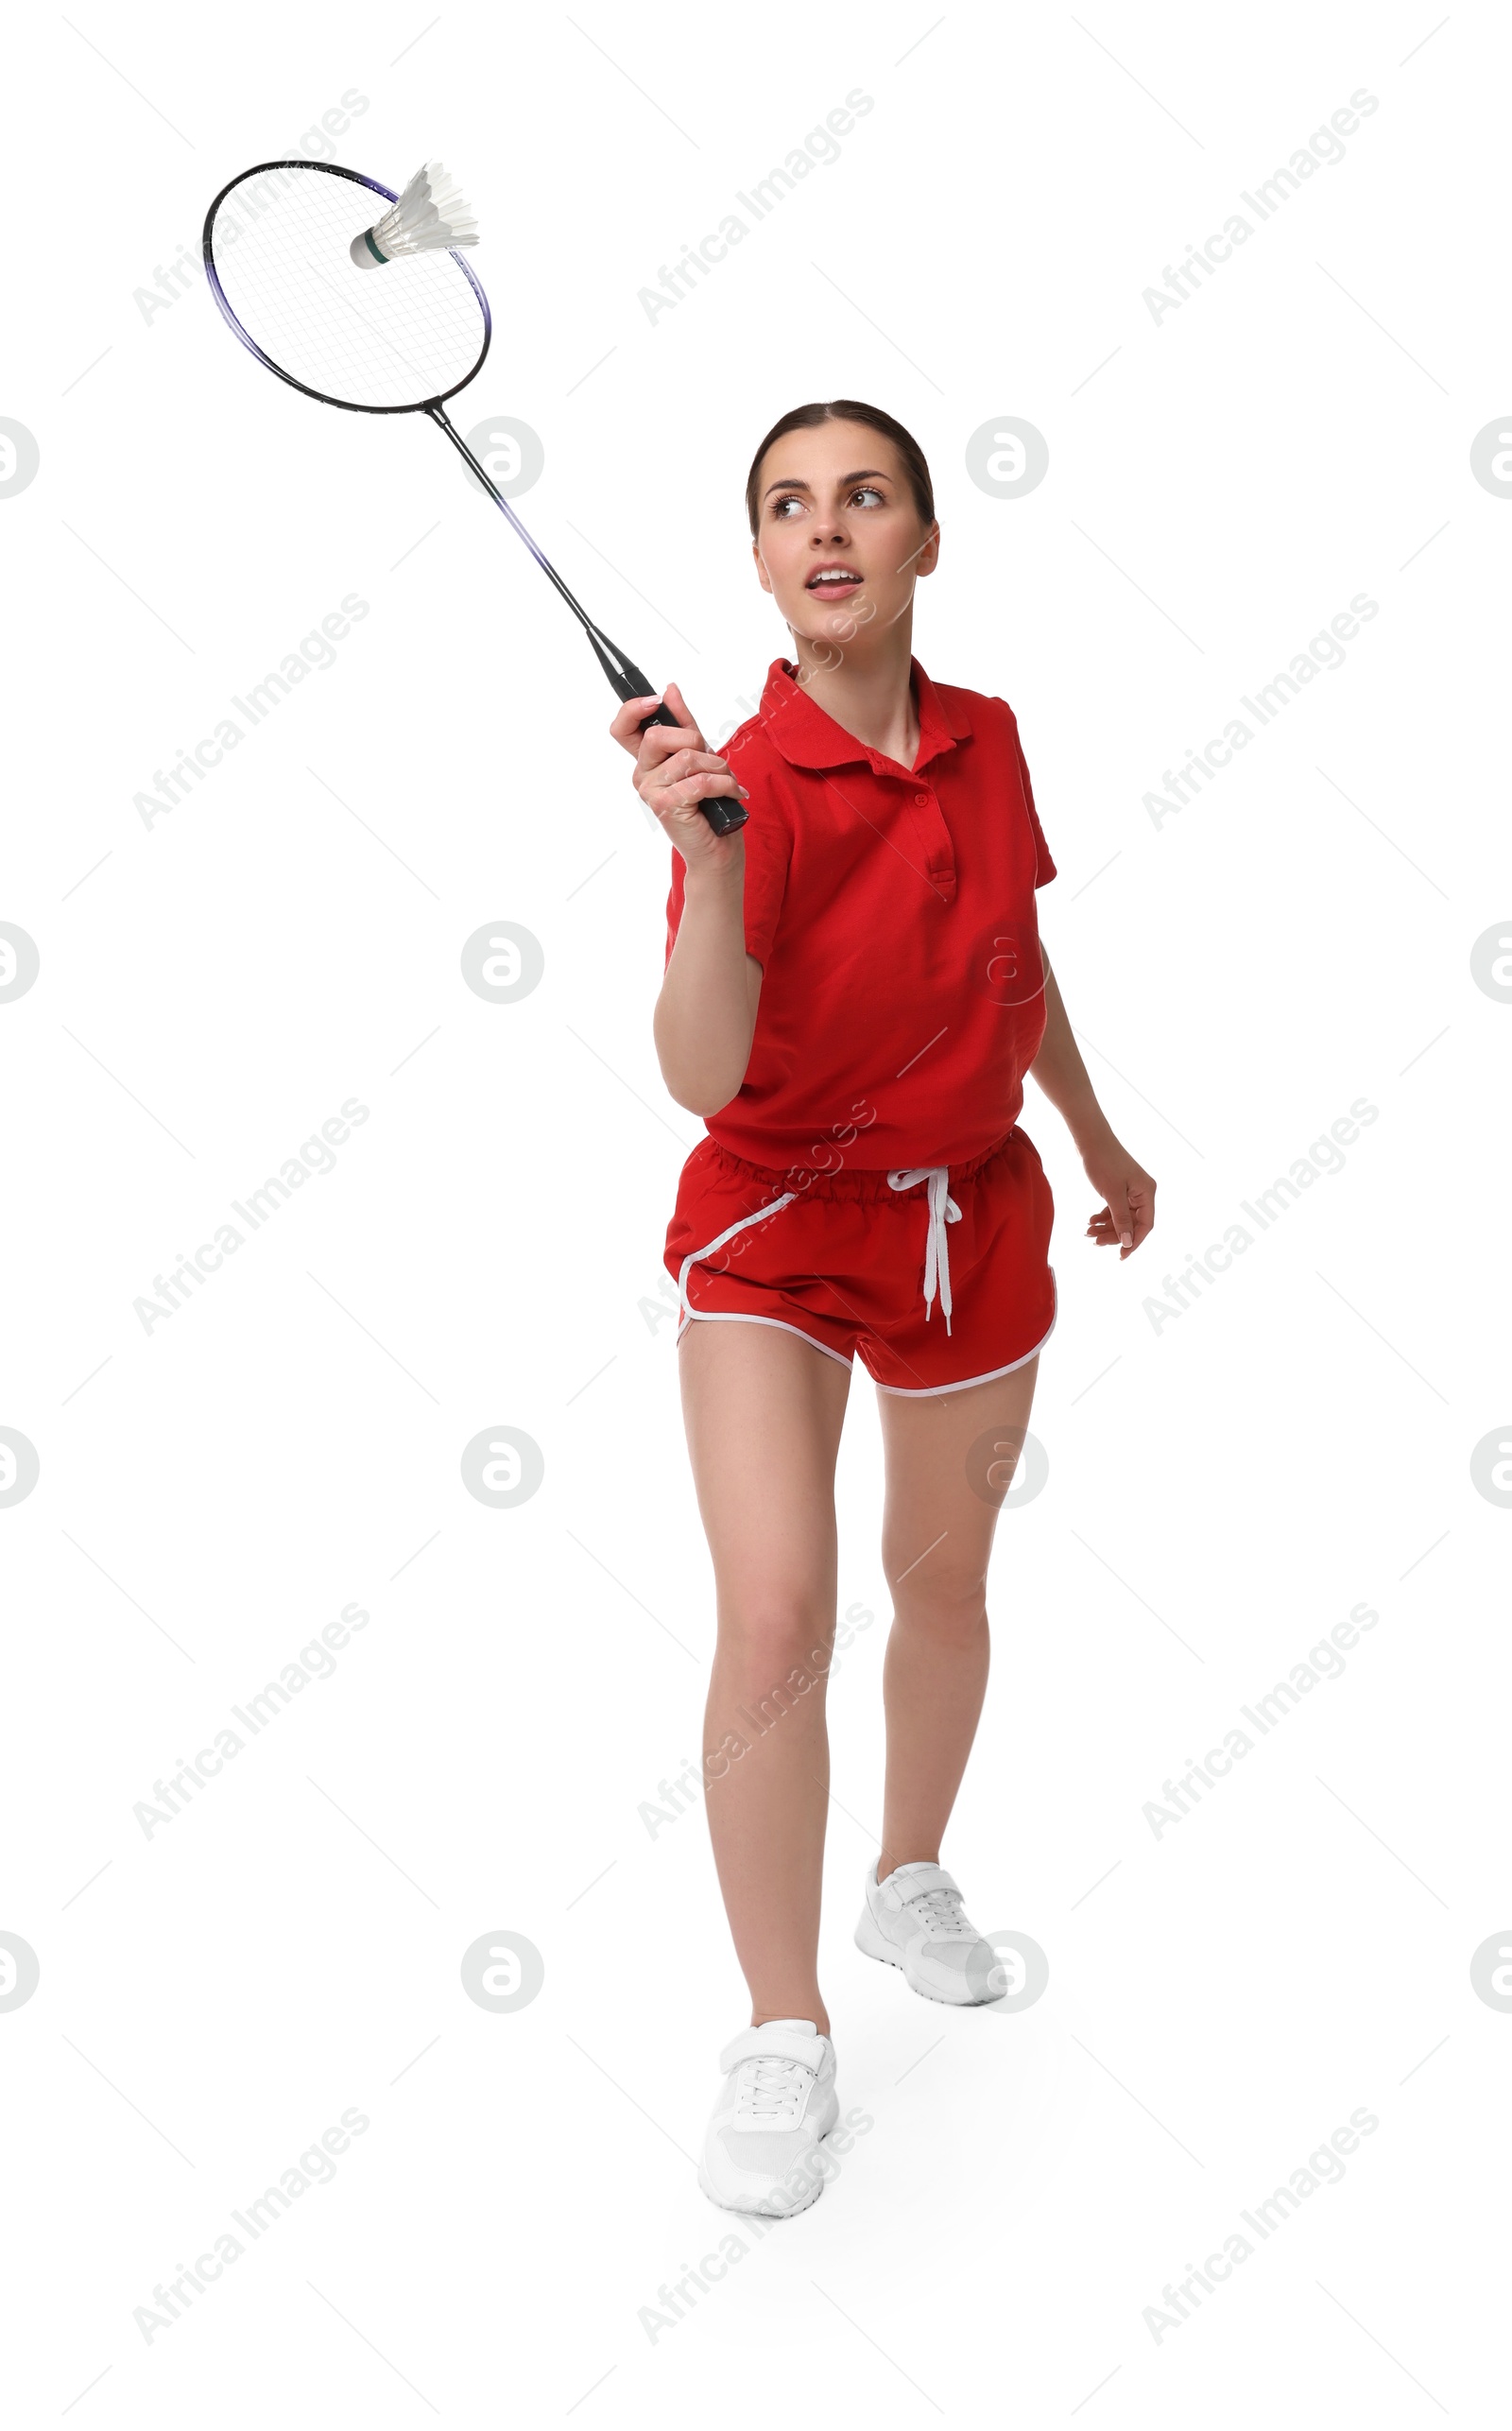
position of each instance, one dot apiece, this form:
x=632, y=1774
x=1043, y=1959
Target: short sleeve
x=1044, y=865
x=769, y=851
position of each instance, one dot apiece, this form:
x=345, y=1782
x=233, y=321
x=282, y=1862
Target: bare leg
x=763, y=1411
x=937, y=1539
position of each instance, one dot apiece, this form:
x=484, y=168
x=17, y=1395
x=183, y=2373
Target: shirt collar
x=809, y=737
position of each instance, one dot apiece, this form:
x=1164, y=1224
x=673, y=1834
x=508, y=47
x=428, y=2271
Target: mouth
x=834, y=583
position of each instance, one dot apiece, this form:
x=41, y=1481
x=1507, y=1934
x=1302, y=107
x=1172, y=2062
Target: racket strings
x=383, y=338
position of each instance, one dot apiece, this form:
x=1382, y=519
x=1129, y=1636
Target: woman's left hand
x=1129, y=1195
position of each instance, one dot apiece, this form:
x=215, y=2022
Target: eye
x=868, y=490
x=780, y=504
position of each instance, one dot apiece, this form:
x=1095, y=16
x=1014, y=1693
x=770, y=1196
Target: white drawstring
x=942, y=1210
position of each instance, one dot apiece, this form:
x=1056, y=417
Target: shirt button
x=922, y=800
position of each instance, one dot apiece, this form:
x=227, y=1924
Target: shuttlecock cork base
x=429, y=217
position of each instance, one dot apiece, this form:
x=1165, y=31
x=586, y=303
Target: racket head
x=394, y=341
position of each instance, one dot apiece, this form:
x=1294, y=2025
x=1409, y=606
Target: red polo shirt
x=892, y=911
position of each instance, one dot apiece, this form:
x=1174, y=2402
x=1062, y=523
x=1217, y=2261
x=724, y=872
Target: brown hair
x=845, y=409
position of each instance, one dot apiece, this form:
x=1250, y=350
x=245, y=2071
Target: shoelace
x=771, y=2089
x=944, y=1915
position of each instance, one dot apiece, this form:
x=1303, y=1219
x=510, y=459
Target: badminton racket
x=378, y=313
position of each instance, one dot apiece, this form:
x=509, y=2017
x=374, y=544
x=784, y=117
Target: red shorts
x=938, y=1277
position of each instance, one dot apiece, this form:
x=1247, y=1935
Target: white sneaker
x=915, y=1920
x=761, y=2152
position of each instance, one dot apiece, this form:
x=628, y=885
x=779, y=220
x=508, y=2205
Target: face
x=839, y=542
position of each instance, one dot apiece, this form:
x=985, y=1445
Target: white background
x=1222, y=1491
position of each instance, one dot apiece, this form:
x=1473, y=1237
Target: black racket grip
x=723, y=811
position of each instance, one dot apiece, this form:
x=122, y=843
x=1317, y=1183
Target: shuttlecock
x=429, y=217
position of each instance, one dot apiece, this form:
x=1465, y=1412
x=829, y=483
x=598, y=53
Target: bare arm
x=1129, y=1211
x=1061, y=1074
x=706, y=1013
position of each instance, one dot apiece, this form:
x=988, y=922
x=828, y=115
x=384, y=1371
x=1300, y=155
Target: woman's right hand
x=675, y=772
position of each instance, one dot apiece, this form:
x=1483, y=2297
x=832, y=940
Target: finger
x=688, y=792
x=679, y=706
x=660, y=744
x=684, y=714
x=687, y=762
x=1112, y=1229
x=705, y=787
x=692, y=764
x=1141, y=1203
x=1119, y=1217
x=629, y=718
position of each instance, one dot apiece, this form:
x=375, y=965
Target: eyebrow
x=867, y=473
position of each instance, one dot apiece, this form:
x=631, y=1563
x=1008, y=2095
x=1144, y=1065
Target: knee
x=774, y=1637
x=949, y=1604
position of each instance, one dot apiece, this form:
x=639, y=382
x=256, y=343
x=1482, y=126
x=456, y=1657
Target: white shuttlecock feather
x=429, y=217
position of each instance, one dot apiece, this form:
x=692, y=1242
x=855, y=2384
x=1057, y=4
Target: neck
x=865, y=686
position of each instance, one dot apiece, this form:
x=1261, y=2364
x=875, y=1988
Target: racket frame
x=353, y=177
x=723, y=812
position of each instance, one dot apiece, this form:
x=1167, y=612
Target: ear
x=928, y=557
x=762, y=575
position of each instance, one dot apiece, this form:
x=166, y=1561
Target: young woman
x=854, y=991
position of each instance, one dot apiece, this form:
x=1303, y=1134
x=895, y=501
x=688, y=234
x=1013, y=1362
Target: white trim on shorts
x=924, y=1392
x=745, y=1317
x=741, y=1316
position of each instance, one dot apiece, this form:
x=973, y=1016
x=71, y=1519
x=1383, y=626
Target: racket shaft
x=723, y=812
